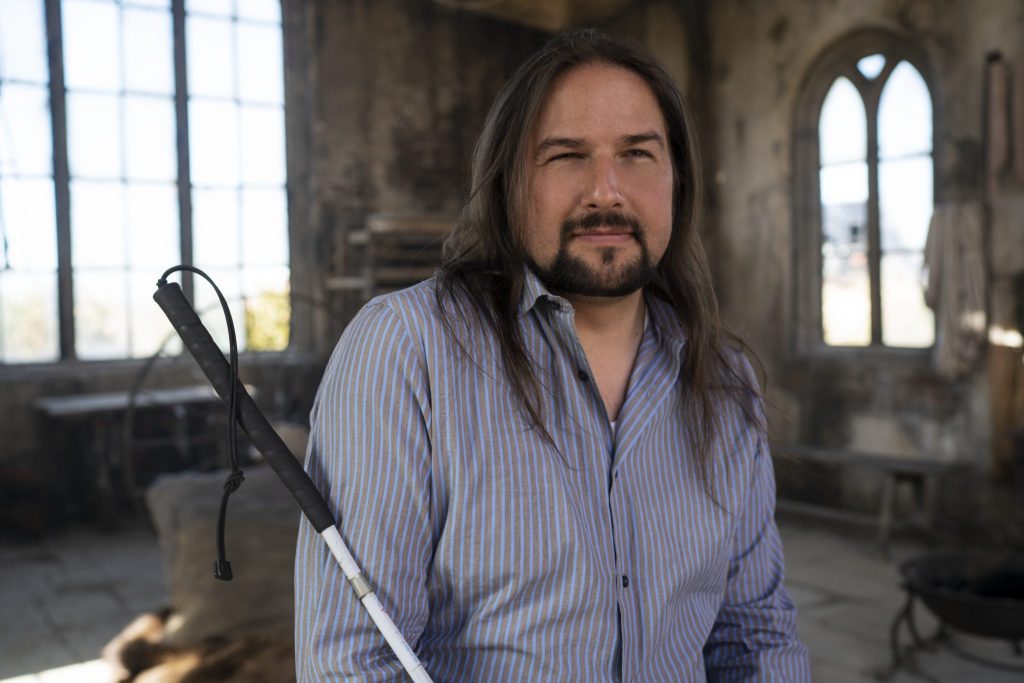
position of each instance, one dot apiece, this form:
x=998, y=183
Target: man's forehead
x=599, y=100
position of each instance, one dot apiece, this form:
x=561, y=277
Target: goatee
x=572, y=275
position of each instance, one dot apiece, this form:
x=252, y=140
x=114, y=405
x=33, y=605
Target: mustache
x=592, y=221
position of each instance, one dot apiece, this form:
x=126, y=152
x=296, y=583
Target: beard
x=615, y=277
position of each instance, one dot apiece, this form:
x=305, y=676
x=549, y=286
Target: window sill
x=86, y=370
x=893, y=361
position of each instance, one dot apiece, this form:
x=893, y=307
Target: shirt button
x=584, y=377
x=625, y=581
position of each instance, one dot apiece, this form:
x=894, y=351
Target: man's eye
x=566, y=155
x=639, y=154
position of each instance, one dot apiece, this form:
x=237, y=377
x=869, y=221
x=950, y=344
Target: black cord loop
x=222, y=568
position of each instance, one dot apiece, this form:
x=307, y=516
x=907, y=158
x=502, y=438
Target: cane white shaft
x=361, y=586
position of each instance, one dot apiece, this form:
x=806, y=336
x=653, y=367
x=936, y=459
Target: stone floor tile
x=842, y=651
x=87, y=641
x=81, y=604
x=20, y=656
x=807, y=597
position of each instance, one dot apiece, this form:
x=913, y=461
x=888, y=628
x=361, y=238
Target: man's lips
x=605, y=235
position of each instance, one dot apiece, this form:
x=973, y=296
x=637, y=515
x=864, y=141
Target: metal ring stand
x=906, y=657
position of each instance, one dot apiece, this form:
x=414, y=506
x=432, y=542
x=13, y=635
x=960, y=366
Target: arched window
x=864, y=196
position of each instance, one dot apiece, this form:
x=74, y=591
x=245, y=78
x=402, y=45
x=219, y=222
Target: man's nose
x=603, y=189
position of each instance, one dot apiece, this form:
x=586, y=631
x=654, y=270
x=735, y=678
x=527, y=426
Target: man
x=545, y=459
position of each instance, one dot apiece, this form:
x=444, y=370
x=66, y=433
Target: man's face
x=599, y=184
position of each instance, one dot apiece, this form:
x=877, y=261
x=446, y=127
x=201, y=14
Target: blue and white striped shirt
x=503, y=558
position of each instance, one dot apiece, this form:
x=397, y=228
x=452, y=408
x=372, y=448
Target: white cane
x=223, y=377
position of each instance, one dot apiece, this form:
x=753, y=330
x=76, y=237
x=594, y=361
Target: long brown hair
x=484, y=255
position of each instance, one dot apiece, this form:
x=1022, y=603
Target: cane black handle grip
x=211, y=361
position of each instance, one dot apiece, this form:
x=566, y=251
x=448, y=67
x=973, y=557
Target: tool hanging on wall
x=242, y=410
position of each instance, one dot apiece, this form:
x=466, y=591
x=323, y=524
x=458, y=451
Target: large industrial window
x=135, y=134
x=866, y=195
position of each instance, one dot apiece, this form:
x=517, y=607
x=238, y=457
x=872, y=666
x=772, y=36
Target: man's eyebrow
x=640, y=138
x=548, y=143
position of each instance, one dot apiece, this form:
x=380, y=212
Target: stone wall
x=761, y=54
x=399, y=90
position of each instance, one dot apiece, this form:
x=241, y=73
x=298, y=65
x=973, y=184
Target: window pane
x=871, y=66
x=92, y=34
x=149, y=328
x=267, y=308
x=906, y=319
x=263, y=161
x=149, y=139
x=229, y=282
x=213, y=142
x=101, y=320
x=264, y=228
x=28, y=317
x=210, y=57
x=845, y=292
x=148, y=52
x=219, y=7
x=844, y=184
x=260, y=63
x=23, y=41
x=26, y=146
x=846, y=301
x=842, y=129
x=153, y=229
x=94, y=135
x=904, y=114
x=160, y=4
x=905, y=189
x=215, y=228
x=97, y=225
x=29, y=223
x=260, y=10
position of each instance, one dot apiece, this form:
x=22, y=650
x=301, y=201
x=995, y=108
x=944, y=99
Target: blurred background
x=865, y=222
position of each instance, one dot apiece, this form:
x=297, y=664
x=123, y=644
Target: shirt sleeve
x=754, y=636
x=369, y=454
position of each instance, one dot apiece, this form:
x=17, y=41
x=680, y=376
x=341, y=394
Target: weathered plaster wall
x=761, y=52
x=401, y=88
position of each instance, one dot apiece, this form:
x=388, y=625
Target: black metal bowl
x=975, y=592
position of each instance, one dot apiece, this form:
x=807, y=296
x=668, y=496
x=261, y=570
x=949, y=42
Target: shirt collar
x=534, y=293
x=660, y=317
x=665, y=323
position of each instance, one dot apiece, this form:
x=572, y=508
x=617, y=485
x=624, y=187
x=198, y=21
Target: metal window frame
x=61, y=174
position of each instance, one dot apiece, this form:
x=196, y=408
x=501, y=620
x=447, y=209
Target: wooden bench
x=921, y=475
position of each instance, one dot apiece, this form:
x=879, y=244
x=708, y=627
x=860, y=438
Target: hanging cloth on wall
x=1018, y=124
x=997, y=133
x=955, y=259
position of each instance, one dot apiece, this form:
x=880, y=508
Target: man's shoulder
x=418, y=301
x=416, y=313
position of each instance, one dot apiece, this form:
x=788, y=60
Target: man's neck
x=609, y=329
x=608, y=320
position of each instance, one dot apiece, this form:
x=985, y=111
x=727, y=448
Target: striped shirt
x=502, y=557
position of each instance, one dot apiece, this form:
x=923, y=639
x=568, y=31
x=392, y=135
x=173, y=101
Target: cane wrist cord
x=222, y=568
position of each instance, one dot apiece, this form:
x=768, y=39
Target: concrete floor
x=61, y=600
